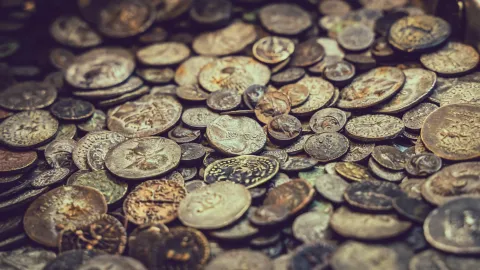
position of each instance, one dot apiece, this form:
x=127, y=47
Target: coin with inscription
x=461, y=92
x=248, y=259
x=72, y=109
x=374, y=127
x=50, y=177
x=163, y=54
x=328, y=120
x=423, y=164
x=331, y=187
x=389, y=157
x=224, y=100
x=272, y=49
x=294, y=195
x=285, y=19
x=75, y=32
x=187, y=72
x=307, y=53
x=83, y=146
x=180, y=134
x=28, y=96
x=298, y=163
x=284, y=128
x=16, y=162
x=415, y=117
x=288, y=76
x=453, y=59
x=353, y=171
x=358, y=151
x=327, y=146
x=372, y=195
x=321, y=93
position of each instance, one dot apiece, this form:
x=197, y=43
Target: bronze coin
x=75, y=32
x=130, y=85
x=156, y=75
x=107, y=262
x=312, y=227
x=412, y=187
x=28, y=96
x=61, y=58
x=211, y=12
x=181, y=134
x=85, y=144
x=415, y=117
x=339, y=72
x=163, y=54
x=321, y=93
x=199, y=117
x=224, y=100
x=331, y=187
x=253, y=94
x=307, y=54
x=288, y=76
x=15, y=162
x=97, y=122
x=298, y=163
x=326, y=147
x=187, y=72
x=284, y=128
x=334, y=7
x=297, y=93
x=384, y=173
x=358, y=151
x=413, y=209
x=268, y=215
x=72, y=109
x=389, y=157
x=61, y=208
x=240, y=230
x=372, y=195
x=328, y=120
x=362, y=62
x=382, y=50
x=171, y=9
x=191, y=92
x=273, y=50
x=272, y=104
x=284, y=19
x=192, y=152
x=294, y=195
x=423, y=164
x=249, y=259
x=50, y=177
x=374, y=127
x=353, y=171
x=454, y=58
x=356, y=37
x=142, y=240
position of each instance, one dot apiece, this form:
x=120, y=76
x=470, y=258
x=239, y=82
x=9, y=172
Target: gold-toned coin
x=214, y=206
x=294, y=195
x=450, y=132
x=453, y=59
x=321, y=93
x=273, y=50
x=297, y=93
x=28, y=96
x=80, y=153
x=353, y=171
x=187, y=72
x=374, y=127
x=285, y=19
x=163, y=54
x=272, y=104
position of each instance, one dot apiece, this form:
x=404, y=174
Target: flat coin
x=50, y=177
x=321, y=93
x=372, y=195
x=339, y=72
x=288, y=76
x=171, y=9
x=374, y=127
x=298, y=163
x=28, y=96
x=154, y=201
x=187, y=72
x=72, y=109
x=224, y=100
x=423, y=164
x=389, y=157
x=153, y=35
x=83, y=146
x=367, y=226
x=211, y=12
x=328, y=120
x=454, y=58
x=268, y=215
x=252, y=260
x=142, y=240
x=214, y=206
x=233, y=72
x=297, y=93
x=356, y=37
x=450, y=133
x=180, y=134
x=431, y=258
x=100, y=68
x=333, y=7
x=371, y=88
x=249, y=171
x=312, y=227
x=236, y=135
x=414, y=118
x=384, y=173
x=191, y=92
x=319, y=67
x=418, y=85
x=358, y=151
x=382, y=50
x=452, y=182
x=462, y=92
x=97, y=122
x=307, y=54
x=28, y=129
x=446, y=227
x=130, y=85
x=192, y=152
x=309, y=256
x=418, y=33
x=312, y=175
x=143, y=158
x=229, y=40
x=20, y=199
x=272, y=104
x=326, y=147
x=412, y=187
x=75, y=32
x=239, y=230
x=61, y=208
x=273, y=50
x=253, y=94
x=331, y=187
x=284, y=128
x=194, y=184
x=294, y=195
x=145, y=117
x=361, y=62
x=107, y=262
x=383, y=4
x=156, y=75
x=411, y=208
x=353, y=171
x=163, y=54
x=284, y=19
x=71, y=259
x=15, y=162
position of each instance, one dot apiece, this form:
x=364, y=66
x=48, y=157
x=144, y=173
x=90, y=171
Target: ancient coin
x=372, y=195
x=58, y=153
x=142, y=240
x=423, y=164
x=236, y=135
x=191, y=92
x=389, y=157
x=61, y=208
x=321, y=93
x=312, y=227
x=289, y=75
x=249, y=171
x=284, y=19
x=339, y=72
x=16, y=162
x=25, y=257
x=252, y=260
x=224, y=100
x=328, y=120
x=418, y=33
x=353, y=171
x=297, y=93
x=154, y=201
x=454, y=58
x=383, y=5
x=171, y=9
x=75, y=32
x=412, y=187
x=108, y=262
x=298, y=163
x=156, y=75
x=180, y=134
x=143, y=158
x=80, y=153
x=207, y=12
x=268, y=215
x=284, y=128
x=362, y=62
x=239, y=230
x=356, y=37
x=331, y=187
x=450, y=132
x=382, y=50
x=71, y=259
x=371, y=88
x=145, y=117
x=192, y=152
x=229, y=40
x=72, y=109
x=307, y=54
x=28, y=129
x=332, y=7
x=129, y=86
x=358, y=151
x=273, y=50
x=411, y=208
x=367, y=226
x=233, y=72
x=214, y=206
x=414, y=118
x=431, y=258
x=461, y=92
x=153, y=35
x=187, y=72
x=374, y=127
x=50, y=177
x=28, y=96
x=194, y=184
x=294, y=195
x=163, y=54
x=326, y=146
x=383, y=173
x=272, y=104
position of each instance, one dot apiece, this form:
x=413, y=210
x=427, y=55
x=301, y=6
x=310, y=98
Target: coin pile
x=249, y=134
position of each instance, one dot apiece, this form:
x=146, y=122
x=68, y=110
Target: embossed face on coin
x=284, y=128
x=272, y=104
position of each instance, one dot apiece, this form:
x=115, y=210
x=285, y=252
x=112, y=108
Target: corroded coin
x=358, y=151
x=28, y=129
x=28, y=96
x=297, y=93
x=130, y=85
x=156, y=75
x=240, y=230
x=389, y=157
x=249, y=171
x=334, y=7
x=107, y=262
x=326, y=146
x=367, y=226
x=353, y=171
x=191, y=92
x=187, y=72
x=75, y=32
x=328, y=120
x=236, y=135
x=383, y=173
x=423, y=164
x=72, y=109
x=321, y=93
x=298, y=163
x=171, y=9
x=289, y=75
x=284, y=19
x=180, y=134
x=294, y=195
x=233, y=72
x=412, y=187
x=371, y=88
x=163, y=54
x=339, y=72
x=454, y=58
x=249, y=259
x=383, y=5
x=224, y=100
x=15, y=162
x=418, y=33
x=411, y=208
x=50, y=177
x=100, y=68
x=450, y=132
x=268, y=215
x=154, y=201
x=71, y=259
x=273, y=50
x=357, y=37
x=331, y=187
x=60, y=208
x=253, y=94
x=192, y=152
x=272, y=104
x=414, y=118
x=312, y=227
x=211, y=12
x=372, y=195
x=214, y=206
x=461, y=92
x=97, y=122
x=142, y=240
x=284, y=128
x=307, y=53
x=374, y=127
x=83, y=146
x=449, y=227
x=143, y=158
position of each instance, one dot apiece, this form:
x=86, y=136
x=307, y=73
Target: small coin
x=374, y=127
x=298, y=163
x=191, y=92
x=187, y=72
x=107, y=262
x=423, y=164
x=180, y=134
x=58, y=153
x=372, y=195
x=382, y=50
x=28, y=96
x=454, y=58
x=224, y=100
x=284, y=19
x=240, y=230
x=328, y=120
x=331, y=187
x=389, y=157
x=358, y=151
x=415, y=117
x=284, y=128
x=413, y=209
x=163, y=54
x=16, y=162
x=273, y=50
x=156, y=75
x=312, y=227
x=353, y=171
x=268, y=215
x=301, y=191
x=83, y=146
x=50, y=177
x=339, y=72
x=307, y=54
x=252, y=260
x=431, y=258
x=321, y=93
x=326, y=147
x=383, y=173
x=253, y=94
x=356, y=37
x=288, y=76
x=272, y=104
x=211, y=12
x=75, y=32
x=362, y=62
x=72, y=109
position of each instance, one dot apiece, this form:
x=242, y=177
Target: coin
x=372, y=195
x=332, y=7
x=312, y=227
x=381, y=49
x=423, y=164
x=389, y=157
x=192, y=92
x=328, y=120
x=171, y=9
x=71, y=259
x=412, y=187
x=356, y=37
x=414, y=118
x=297, y=93
x=361, y=62
x=384, y=173
x=413, y=209
x=16, y=162
x=374, y=127
x=358, y=151
x=106, y=262
x=272, y=49
x=180, y=134
x=153, y=35
x=431, y=258
x=33, y=258
x=331, y=187
x=284, y=128
x=454, y=58
x=61, y=208
x=187, y=72
x=321, y=92
x=268, y=215
x=284, y=19
x=450, y=133
x=214, y=206
x=143, y=158
x=307, y=53
x=236, y=135
x=272, y=104
x=224, y=100
x=298, y=163
x=162, y=54
x=97, y=122
x=288, y=76
x=371, y=88
x=383, y=4
x=211, y=12
x=294, y=195
x=156, y=75
x=463, y=92
x=80, y=153
x=248, y=259
x=353, y=171
x=233, y=72
x=326, y=146
x=75, y=32
x=418, y=33
x=50, y=177
x=28, y=96
x=339, y=72
x=130, y=85
x=72, y=109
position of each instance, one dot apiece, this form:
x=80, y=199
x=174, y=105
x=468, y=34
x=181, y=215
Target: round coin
x=411, y=208
x=252, y=260
x=180, y=134
x=85, y=144
x=415, y=117
x=326, y=147
x=268, y=215
x=284, y=128
x=297, y=93
x=72, y=109
x=357, y=37
x=187, y=72
x=358, y=151
x=284, y=19
x=15, y=162
x=289, y=75
x=191, y=92
x=454, y=58
x=294, y=195
x=374, y=127
x=389, y=157
x=339, y=72
x=331, y=187
x=156, y=75
x=28, y=96
x=328, y=120
x=75, y=32
x=272, y=104
x=307, y=54
x=372, y=195
x=423, y=164
x=224, y=100
x=273, y=50
x=353, y=171
x=163, y=54
x=321, y=93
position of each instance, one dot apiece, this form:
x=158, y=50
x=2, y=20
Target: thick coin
x=353, y=171
x=83, y=146
x=272, y=104
x=187, y=72
x=307, y=53
x=224, y=100
x=163, y=54
x=191, y=92
x=423, y=164
x=413, y=209
x=284, y=128
x=321, y=93
x=28, y=96
x=326, y=147
x=454, y=58
x=358, y=151
x=15, y=162
x=331, y=187
x=414, y=118
x=75, y=32
x=289, y=75
x=328, y=120
x=230, y=260
x=294, y=195
x=356, y=37
x=374, y=127
x=389, y=157
x=273, y=50
x=72, y=109
x=372, y=195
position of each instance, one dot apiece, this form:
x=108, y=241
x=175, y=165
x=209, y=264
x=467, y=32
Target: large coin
x=28, y=96
x=187, y=72
x=285, y=19
x=327, y=146
x=454, y=58
x=461, y=92
x=374, y=127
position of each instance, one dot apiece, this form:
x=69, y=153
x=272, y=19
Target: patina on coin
x=72, y=109
x=75, y=32
x=423, y=164
x=85, y=144
x=214, y=206
x=284, y=128
x=327, y=146
x=411, y=208
x=284, y=19
x=273, y=50
x=249, y=171
x=14, y=162
x=294, y=195
x=389, y=157
x=328, y=120
x=414, y=118
x=383, y=173
x=191, y=92
x=372, y=195
x=28, y=96
x=143, y=158
x=50, y=177
x=340, y=72
x=454, y=58
x=374, y=127
x=180, y=134
x=353, y=171
x=224, y=100
x=108, y=262
x=248, y=259
x=357, y=37
x=97, y=122
x=268, y=215
x=163, y=54
x=331, y=187
x=298, y=163
x=187, y=72
x=272, y=104
x=321, y=93
x=289, y=75
x=358, y=151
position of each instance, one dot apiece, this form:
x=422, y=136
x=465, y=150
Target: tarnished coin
x=28, y=129
x=110, y=262
x=284, y=128
x=321, y=93
x=326, y=146
x=449, y=227
x=339, y=72
x=153, y=35
x=284, y=19
x=130, y=86
x=229, y=40
x=461, y=92
x=97, y=122
x=297, y=93
x=371, y=88
x=171, y=9
x=211, y=12
x=75, y=32
x=224, y=100
x=142, y=240
x=236, y=135
x=28, y=96
x=328, y=120
x=384, y=173
x=383, y=5
x=71, y=259
x=249, y=171
x=163, y=54
x=372, y=195
x=273, y=50
x=357, y=37
x=180, y=134
x=423, y=164
x=411, y=208
x=25, y=257
x=374, y=127
x=16, y=162
x=111, y=188
x=362, y=62
x=214, y=206
x=450, y=132
x=452, y=182
x=156, y=75
x=358, y=151
x=298, y=163
x=253, y=94
x=248, y=259
x=431, y=258
x=454, y=58
x=50, y=177
x=353, y=171
x=272, y=104
x=233, y=72
x=312, y=227
x=389, y=157
x=268, y=215
x=367, y=226
x=331, y=187
x=83, y=146
x=334, y=7
x=418, y=33
x=307, y=54
x=72, y=109
x=187, y=72
x=294, y=195
x=154, y=201
x=414, y=118
x=60, y=208
x=239, y=230
x=191, y=92
x=288, y=76
x=312, y=175
x=145, y=117
x=382, y=50
x=143, y=158
x=100, y=68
